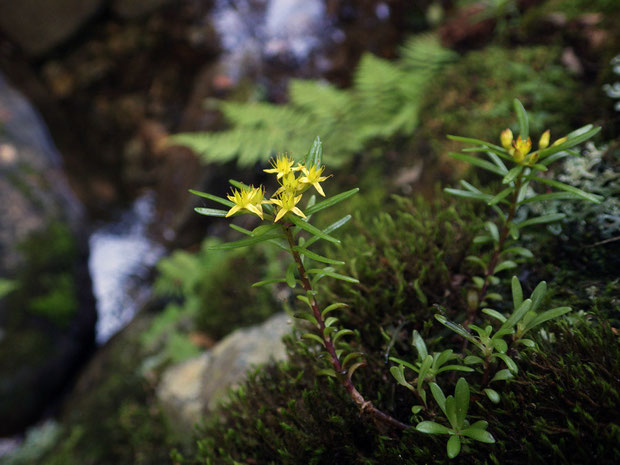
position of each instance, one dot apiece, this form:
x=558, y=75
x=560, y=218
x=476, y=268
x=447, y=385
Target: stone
x=38, y=26
x=47, y=320
x=194, y=387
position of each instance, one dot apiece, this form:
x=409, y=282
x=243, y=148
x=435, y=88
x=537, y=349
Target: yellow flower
x=290, y=183
x=543, y=143
x=506, y=138
x=282, y=165
x=521, y=149
x=250, y=200
x=287, y=202
x=313, y=177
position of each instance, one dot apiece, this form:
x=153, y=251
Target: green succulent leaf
x=331, y=201
x=439, y=396
x=312, y=229
x=461, y=396
x=211, y=212
x=502, y=375
x=332, y=274
x=478, y=434
x=454, y=446
x=430, y=427
x=316, y=257
x=419, y=344
x=492, y=395
x=522, y=117
x=315, y=154
x=215, y=198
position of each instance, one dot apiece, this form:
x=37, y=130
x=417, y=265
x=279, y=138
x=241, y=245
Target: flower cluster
x=519, y=148
x=294, y=180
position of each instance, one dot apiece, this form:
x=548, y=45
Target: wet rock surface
x=190, y=389
x=47, y=321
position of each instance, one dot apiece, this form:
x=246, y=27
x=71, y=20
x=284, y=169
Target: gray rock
x=47, y=321
x=38, y=26
x=134, y=8
x=192, y=388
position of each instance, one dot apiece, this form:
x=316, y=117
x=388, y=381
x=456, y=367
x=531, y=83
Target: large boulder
x=194, y=387
x=47, y=312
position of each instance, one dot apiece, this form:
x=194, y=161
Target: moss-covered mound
x=558, y=409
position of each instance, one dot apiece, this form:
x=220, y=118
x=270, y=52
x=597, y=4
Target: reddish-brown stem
x=364, y=405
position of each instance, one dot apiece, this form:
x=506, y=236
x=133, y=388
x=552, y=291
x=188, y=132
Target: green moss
x=112, y=417
x=45, y=284
x=474, y=95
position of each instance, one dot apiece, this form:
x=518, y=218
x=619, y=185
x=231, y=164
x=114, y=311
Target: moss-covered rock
x=47, y=312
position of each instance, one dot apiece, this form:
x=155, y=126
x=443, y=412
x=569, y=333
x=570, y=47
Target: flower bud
x=543, y=143
x=523, y=146
x=560, y=141
x=532, y=159
x=506, y=138
x=517, y=156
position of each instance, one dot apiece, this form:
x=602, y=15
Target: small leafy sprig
x=284, y=221
x=427, y=367
x=521, y=172
x=492, y=344
x=455, y=410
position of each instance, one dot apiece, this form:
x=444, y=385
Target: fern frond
x=384, y=101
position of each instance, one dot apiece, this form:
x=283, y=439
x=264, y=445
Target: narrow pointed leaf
x=512, y=174
x=398, y=372
x=541, y=220
x=331, y=201
x=512, y=366
x=517, y=314
x=461, y=397
x=573, y=190
x=480, y=163
x=479, y=435
x=495, y=314
x=332, y=307
x=527, y=253
x=439, y=396
x=314, y=337
x=215, y=198
x=332, y=227
x=517, y=292
x=244, y=242
x=332, y=274
x=317, y=257
x=522, y=117
x=315, y=154
x=546, y=316
x=457, y=329
x=538, y=295
x=501, y=196
x=211, y=212
x=505, y=265
x=471, y=140
x=419, y=344
x=268, y=281
x=502, y=375
x=312, y=229
x=430, y=427
x=468, y=195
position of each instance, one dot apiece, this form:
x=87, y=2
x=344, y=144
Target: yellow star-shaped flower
x=250, y=200
x=282, y=165
x=313, y=177
x=289, y=183
x=287, y=202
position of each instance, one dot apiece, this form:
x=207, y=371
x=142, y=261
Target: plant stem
x=503, y=235
x=364, y=405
